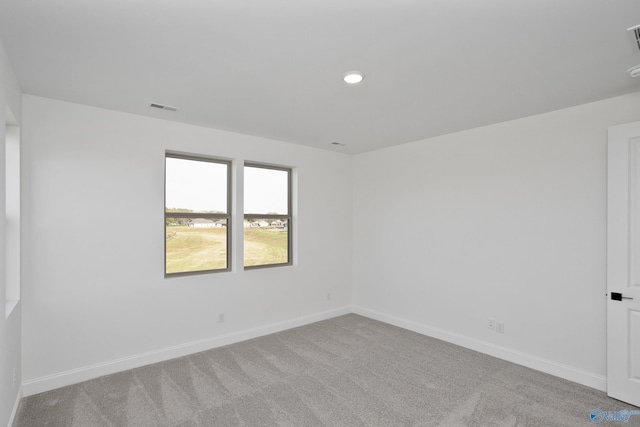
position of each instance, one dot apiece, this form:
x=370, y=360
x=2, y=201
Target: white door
x=623, y=264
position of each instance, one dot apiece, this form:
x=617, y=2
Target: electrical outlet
x=221, y=318
x=491, y=324
x=500, y=327
x=328, y=296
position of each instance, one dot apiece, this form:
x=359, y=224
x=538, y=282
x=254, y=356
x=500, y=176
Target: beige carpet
x=347, y=371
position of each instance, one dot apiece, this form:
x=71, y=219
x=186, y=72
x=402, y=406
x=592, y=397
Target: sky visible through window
x=201, y=186
x=265, y=191
x=196, y=185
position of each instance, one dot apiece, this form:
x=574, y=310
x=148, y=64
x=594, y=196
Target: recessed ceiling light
x=634, y=71
x=353, y=77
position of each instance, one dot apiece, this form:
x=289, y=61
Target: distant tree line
x=180, y=220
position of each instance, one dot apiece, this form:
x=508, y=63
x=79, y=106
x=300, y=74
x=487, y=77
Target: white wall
x=94, y=293
x=10, y=97
x=506, y=222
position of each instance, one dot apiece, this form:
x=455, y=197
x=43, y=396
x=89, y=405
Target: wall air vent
x=636, y=31
x=163, y=107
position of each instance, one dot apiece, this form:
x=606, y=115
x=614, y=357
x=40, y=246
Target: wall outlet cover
x=491, y=324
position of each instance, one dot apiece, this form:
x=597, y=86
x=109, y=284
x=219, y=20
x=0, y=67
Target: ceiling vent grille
x=163, y=107
x=636, y=31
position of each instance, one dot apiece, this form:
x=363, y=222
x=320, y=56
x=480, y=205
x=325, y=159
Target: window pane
x=195, y=244
x=195, y=186
x=12, y=215
x=266, y=241
x=266, y=191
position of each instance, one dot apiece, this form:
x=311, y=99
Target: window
x=12, y=213
x=267, y=216
x=197, y=215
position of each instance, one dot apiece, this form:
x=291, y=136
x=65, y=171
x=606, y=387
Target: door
x=623, y=264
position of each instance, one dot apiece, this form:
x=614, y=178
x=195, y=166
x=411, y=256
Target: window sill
x=9, y=306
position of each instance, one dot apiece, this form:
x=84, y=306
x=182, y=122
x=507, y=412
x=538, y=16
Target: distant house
x=202, y=223
x=260, y=224
x=221, y=223
x=278, y=224
x=247, y=224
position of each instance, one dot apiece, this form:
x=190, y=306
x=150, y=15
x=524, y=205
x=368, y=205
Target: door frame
x=622, y=197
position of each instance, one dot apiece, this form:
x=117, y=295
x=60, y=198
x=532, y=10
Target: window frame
x=12, y=212
x=212, y=216
x=288, y=217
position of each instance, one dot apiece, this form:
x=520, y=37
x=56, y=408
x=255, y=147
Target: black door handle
x=617, y=296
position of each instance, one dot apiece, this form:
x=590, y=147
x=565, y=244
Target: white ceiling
x=274, y=68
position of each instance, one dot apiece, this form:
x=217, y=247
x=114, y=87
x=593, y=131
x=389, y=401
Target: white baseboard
x=570, y=373
x=50, y=382
x=16, y=405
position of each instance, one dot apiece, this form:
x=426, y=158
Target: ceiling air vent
x=636, y=31
x=163, y=107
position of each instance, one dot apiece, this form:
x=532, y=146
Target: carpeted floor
x=347, y=371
